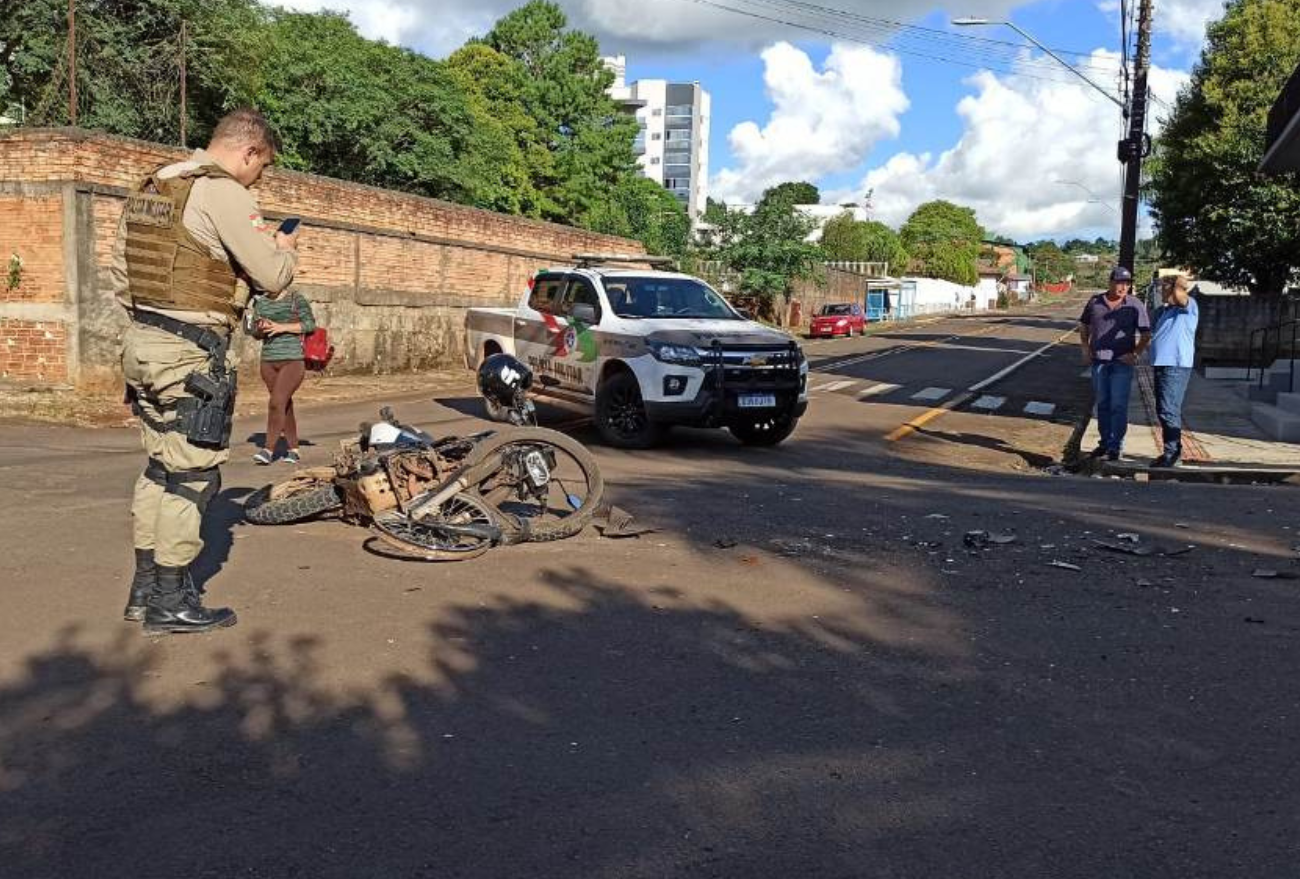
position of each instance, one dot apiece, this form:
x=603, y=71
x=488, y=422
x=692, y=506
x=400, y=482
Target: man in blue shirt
x=1173, y=353
x=1114, y=330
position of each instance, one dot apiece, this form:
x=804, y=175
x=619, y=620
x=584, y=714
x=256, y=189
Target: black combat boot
x=176, y=606
x=142, y=586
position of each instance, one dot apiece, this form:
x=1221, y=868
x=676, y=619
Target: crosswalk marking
x=1037, y=408
x=836, y=386
x=878, y=390
x=932, y=394
x=992, y=404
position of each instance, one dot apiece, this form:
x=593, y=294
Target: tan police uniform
x=195, y=271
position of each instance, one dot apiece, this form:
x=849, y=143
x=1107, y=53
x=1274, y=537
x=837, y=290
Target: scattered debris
x=1002, y=539
x=976, y=539
x=1253, y=621
x=613, y=522
x=1144, y=583
x=1181, y=525
x=1270, y=574
x=725, y=542
x=1055, y=470
x=1123, y=547
x=1130, y=537
x=1064, y=565
x=937, y=516
x=1182, y=550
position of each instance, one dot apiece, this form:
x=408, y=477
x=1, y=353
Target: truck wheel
x=621, y=416
x=764, y=431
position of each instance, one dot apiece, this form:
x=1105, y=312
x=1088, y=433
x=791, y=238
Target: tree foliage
x=943, y=240
x=128, y=62
x=1215, y=212
x=794, y=193
x=1051, y=264
x=768, y=248
x=844, y=238
x=518, y=121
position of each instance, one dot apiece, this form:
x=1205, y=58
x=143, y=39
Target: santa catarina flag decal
x=571, y=337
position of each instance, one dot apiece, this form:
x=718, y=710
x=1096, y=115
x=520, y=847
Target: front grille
x=739, y=368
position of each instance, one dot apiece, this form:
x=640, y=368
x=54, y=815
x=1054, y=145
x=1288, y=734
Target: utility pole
x=183, y=84
x=1132, y=150
x=72, y=62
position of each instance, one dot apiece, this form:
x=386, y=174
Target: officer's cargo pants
x=166, y=522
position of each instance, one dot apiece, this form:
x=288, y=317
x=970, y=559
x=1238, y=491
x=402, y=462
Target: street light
x=978, y=22
x=1093, y=197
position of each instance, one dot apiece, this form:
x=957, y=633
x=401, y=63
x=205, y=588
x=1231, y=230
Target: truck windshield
x=666, y=298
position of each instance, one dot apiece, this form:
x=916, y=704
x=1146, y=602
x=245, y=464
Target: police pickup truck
x=641, y=350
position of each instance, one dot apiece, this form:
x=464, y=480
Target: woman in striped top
x=281, y=323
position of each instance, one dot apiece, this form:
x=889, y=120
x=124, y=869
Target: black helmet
x=504, y=379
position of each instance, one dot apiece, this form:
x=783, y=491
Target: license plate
x=757, y=401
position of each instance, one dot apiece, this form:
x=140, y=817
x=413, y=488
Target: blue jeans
x=1171, y=386
x=1112, y=382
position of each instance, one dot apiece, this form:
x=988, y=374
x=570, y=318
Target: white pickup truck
x=641, y=350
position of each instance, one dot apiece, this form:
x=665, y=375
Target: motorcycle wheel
x=574, y=492
x=294, y=505
x=422, y=540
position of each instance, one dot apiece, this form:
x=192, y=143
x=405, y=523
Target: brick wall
x=33, y=350
x=389, y=274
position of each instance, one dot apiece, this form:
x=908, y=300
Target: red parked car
x=840, y=319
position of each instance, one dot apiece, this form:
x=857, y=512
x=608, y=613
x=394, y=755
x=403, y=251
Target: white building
x=673, y=145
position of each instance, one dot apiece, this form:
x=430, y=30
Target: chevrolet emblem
x=757, y=360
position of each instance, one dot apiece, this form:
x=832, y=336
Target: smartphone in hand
x=290, y=225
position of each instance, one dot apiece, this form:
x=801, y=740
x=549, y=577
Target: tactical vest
x=166, y=267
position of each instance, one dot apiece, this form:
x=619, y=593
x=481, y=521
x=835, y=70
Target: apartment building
x=673, y=144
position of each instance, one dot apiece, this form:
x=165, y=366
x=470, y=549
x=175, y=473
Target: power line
x=877, y=43
x=882, y=29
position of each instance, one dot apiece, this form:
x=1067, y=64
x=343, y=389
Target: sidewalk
x=1218, y=434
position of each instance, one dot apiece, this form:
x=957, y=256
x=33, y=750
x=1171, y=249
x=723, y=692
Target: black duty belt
x=208, y=340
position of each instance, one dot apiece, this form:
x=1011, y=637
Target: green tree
x=768, y=249
x=586, y=138
x=361, y=110
x=1051, y=263
x=642, y=209
x=844, y=238
x=1214, y=211
x=944, y=241
x=795, y=193
x=128, y=62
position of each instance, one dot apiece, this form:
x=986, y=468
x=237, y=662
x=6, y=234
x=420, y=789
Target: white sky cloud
x=440, y=26
x=1019, y=136
x=1183, y=21
x=822, y=122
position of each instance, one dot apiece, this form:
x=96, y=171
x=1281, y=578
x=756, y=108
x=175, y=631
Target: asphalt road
x=803, y=672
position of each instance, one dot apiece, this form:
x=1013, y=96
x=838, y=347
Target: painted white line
x=1037, y=408
x=878, y=390
x=837, y=386
x=932, y=394
x=1001, y=374
x=992, y=404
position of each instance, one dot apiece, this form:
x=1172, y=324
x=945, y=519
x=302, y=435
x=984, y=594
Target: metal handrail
x=1264, y=359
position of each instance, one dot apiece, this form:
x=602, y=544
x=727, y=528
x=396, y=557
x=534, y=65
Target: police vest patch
x=149, y=210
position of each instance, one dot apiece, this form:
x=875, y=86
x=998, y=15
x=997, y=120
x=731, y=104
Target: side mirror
x=587, y=314
x=746, y=313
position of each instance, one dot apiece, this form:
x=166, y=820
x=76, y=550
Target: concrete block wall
x=389, y=274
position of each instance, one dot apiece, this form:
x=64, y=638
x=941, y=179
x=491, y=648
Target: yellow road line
x=910, y=427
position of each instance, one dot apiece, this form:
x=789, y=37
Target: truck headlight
x=682, y=355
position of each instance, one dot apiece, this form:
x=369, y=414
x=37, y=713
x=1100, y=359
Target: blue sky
x=789, y=104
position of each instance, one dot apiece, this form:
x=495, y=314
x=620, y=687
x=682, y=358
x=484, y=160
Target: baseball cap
x=1119, y=273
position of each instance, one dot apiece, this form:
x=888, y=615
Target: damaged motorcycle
x=453, y=498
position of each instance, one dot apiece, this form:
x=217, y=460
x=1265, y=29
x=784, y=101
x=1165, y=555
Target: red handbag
x=316, y=348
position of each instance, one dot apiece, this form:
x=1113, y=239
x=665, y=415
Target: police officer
x=189, y=235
